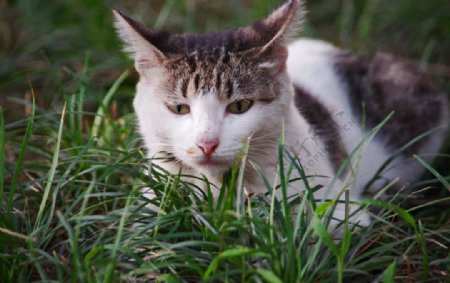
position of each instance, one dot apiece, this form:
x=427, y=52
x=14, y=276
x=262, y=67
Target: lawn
x=72, y=167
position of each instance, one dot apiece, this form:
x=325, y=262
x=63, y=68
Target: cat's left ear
x=136, y=40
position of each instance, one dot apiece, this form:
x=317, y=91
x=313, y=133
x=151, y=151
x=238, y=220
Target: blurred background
x=55, y=46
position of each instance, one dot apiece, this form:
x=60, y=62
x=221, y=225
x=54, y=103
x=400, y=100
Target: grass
x=72, y=169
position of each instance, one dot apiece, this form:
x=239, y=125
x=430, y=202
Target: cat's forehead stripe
x=219, y=72
x=197, y=81
x=218, y=81
x=204, y=75
x=229, y=89
x=184, y=87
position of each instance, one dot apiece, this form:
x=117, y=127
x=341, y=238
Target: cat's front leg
x=343, y=209
x=349, y=209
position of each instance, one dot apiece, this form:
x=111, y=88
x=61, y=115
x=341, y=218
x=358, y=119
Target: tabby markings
x=323, y=126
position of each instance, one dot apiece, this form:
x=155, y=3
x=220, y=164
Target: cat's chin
x=211, y=163
x=211, y=167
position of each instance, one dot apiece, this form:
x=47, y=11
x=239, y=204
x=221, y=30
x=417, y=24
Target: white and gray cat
x=202, y=97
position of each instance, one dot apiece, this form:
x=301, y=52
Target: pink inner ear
x=148, y=60
x=281, y=54
x=143, y=64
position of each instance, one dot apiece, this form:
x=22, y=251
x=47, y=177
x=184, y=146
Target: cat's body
x=360, y=93
x=202, y=98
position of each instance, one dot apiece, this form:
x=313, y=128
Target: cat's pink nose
x=208, y=146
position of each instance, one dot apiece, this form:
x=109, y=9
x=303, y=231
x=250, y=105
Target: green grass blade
x=346, y=22
x=283, y=181
x=164, y=14
x=77, y=274
x=366, y=20
x=389, y=273
x=240, y=198
x=323, y=208
x=81, y=94
x=231, y=253
x=434, y=172
x=269, y=276
x=2, y=153
x=101, y=110
x=21, y=156
x=405, y=215
x=324, y=235
x=52, y=171
x=117, y=243
x=421, y=239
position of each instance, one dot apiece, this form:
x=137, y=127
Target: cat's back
x=355, y=88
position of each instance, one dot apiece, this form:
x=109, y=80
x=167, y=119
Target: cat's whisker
x=273, y=135
x=262, y=147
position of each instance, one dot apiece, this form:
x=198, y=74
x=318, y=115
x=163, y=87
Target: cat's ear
x=275, y=32
x=283, y=24
x=134, y=35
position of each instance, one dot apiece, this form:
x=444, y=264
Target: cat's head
x=200, y=97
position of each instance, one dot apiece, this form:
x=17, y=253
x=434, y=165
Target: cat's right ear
x=145, y=55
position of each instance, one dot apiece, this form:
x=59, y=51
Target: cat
x=201, y=98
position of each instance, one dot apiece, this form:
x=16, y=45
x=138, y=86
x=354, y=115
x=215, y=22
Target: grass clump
x=73, y=209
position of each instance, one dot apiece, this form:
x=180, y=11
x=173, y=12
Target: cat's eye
x=180, y=109
x=240, y=106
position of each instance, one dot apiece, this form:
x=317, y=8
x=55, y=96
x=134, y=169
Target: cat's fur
x=313, y=93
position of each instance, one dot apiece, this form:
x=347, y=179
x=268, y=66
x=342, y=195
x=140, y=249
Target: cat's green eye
x=180, y=109
x=240, y=106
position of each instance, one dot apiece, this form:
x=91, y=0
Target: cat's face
x=201, y=98
x=202, y=114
